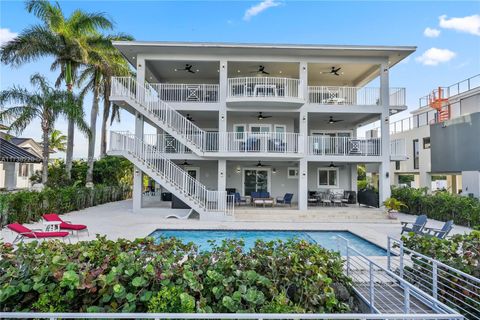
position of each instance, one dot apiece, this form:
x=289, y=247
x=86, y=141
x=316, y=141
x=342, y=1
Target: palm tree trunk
x=93, y=132
x=45, y=155
x=71, y=123
x=106, y=115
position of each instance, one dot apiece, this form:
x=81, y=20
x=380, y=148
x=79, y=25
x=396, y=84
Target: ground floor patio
x=117, y=220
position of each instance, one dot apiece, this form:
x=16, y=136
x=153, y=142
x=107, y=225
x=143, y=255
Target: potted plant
x=393, y=206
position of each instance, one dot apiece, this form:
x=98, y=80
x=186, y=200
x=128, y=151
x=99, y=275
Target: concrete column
x=140, y=69
x=303, y=76
x=222, y=113
x=384, y=172
x=303, y=185
x=10, y=175
x=353, y=177
x=222, y=175
x=425, y=180
x=137, y=174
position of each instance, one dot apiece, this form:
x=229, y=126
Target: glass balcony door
x=255, y=180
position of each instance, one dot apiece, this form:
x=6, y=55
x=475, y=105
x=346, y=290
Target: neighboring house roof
x=9, y=152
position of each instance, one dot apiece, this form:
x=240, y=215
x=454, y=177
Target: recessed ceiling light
x=198, y=70
x=175, y=69
x=133, y=57
x=238, y=71
x=218, y=70
x=280, y=71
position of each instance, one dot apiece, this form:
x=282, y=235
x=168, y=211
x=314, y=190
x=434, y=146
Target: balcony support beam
x=222, y=175
x=137, y=173
x=303, y=185
x=384, y=174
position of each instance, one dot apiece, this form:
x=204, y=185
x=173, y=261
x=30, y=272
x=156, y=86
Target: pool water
x=326, y=239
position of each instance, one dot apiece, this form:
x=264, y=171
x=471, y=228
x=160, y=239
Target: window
x=416, y=154
x=23, y=170
x=426, y=143
x=397, y=165
x=239, y=130
x=292, y=173
x=327, y=177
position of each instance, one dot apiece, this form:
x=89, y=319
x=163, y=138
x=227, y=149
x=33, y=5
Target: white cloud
x=468, y=24
x=431, y=32
x=6, y=35
x=435, y=56
x=258, y=8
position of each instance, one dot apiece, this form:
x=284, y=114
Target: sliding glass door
x=255, y=180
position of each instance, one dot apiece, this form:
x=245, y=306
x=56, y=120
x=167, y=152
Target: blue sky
x=448, y=52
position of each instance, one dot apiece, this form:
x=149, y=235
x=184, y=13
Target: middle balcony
x=264, y=92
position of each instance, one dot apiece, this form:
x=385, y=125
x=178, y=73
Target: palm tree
x=46, y=104
x=103, y=59
x=64, y=38
x=58, y=141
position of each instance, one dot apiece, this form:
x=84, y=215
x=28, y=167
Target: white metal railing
x=451, y=286
x=415, y=121
x=165, y=143
x=208, y=200
x=230, y=316
x=181, y=92
x=383, y=290
x=452, y=90
x=264, y=87
x=398, y=148
x=353, y=95
x=270, y=142
x=344, y=146
x=148, y=98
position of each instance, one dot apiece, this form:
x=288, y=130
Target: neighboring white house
x=254, y=118
x=19, y=159
x=439, y=156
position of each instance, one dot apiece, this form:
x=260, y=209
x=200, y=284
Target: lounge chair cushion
x=18, y=228
x=64, y=225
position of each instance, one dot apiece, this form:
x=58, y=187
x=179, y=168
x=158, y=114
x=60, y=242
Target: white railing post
x=401, y=259
x=435, y=279
x=406, y=299
x=371, y=288
x=389, y=253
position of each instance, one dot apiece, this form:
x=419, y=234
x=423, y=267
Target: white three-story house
x=255, y=124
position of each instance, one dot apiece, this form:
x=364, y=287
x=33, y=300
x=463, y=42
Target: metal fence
x=451, y=286
x=385, y=291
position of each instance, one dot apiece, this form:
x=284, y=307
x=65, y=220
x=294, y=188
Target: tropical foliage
x=45, y=104
x=440, y=206
x=58, y=141
x=28, y=206
x=109, y=170
x=141, y=276
x=71, y=41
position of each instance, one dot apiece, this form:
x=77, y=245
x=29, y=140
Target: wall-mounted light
x=238, y=170
x=387, y=174
x=304, y=118
x=222, y=117
x=304, y=68
x=221, y=173
x=223, y=66
x=137, y=172
x=274, y=170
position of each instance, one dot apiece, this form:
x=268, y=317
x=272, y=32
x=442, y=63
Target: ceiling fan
x=188, y=68
x=260, y=116
x=260, y=165
x=185, y=163
x=261, y=70
x=334, y=71
x=189, y=118
x=332, y=121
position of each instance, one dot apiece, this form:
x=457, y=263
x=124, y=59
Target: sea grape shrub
x=141, y=276
x=462, y=252
x=441, y=206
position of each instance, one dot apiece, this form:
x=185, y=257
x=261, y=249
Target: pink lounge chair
x=23, y=232
x=65, y=225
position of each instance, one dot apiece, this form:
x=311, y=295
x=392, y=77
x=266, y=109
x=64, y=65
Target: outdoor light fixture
x=274, y=170
x=387, y=174
x=222, y=117
x=238, y=170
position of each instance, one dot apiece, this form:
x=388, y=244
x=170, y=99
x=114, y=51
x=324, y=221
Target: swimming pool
x=326, y=239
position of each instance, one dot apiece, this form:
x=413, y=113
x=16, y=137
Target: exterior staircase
x=145, y=99
x=210, y=204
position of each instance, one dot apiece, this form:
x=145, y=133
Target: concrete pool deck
x=116, y=220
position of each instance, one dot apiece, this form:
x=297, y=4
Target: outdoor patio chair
x=439, y=233
x=239, y=199
x=416, y=227
x=286, y=199
x=26, y=233
x=313, y=198
x=64, y=224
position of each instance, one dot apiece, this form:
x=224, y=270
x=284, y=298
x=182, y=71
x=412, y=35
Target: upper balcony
x=264, y=91
x=353, y=96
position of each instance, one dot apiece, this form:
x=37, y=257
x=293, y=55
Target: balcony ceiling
x=350, y=120
x=164, y=71
x=350, y=74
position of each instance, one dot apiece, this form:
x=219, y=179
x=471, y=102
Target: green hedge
x=142, y=276
x=441, y=206
x=27, y=206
